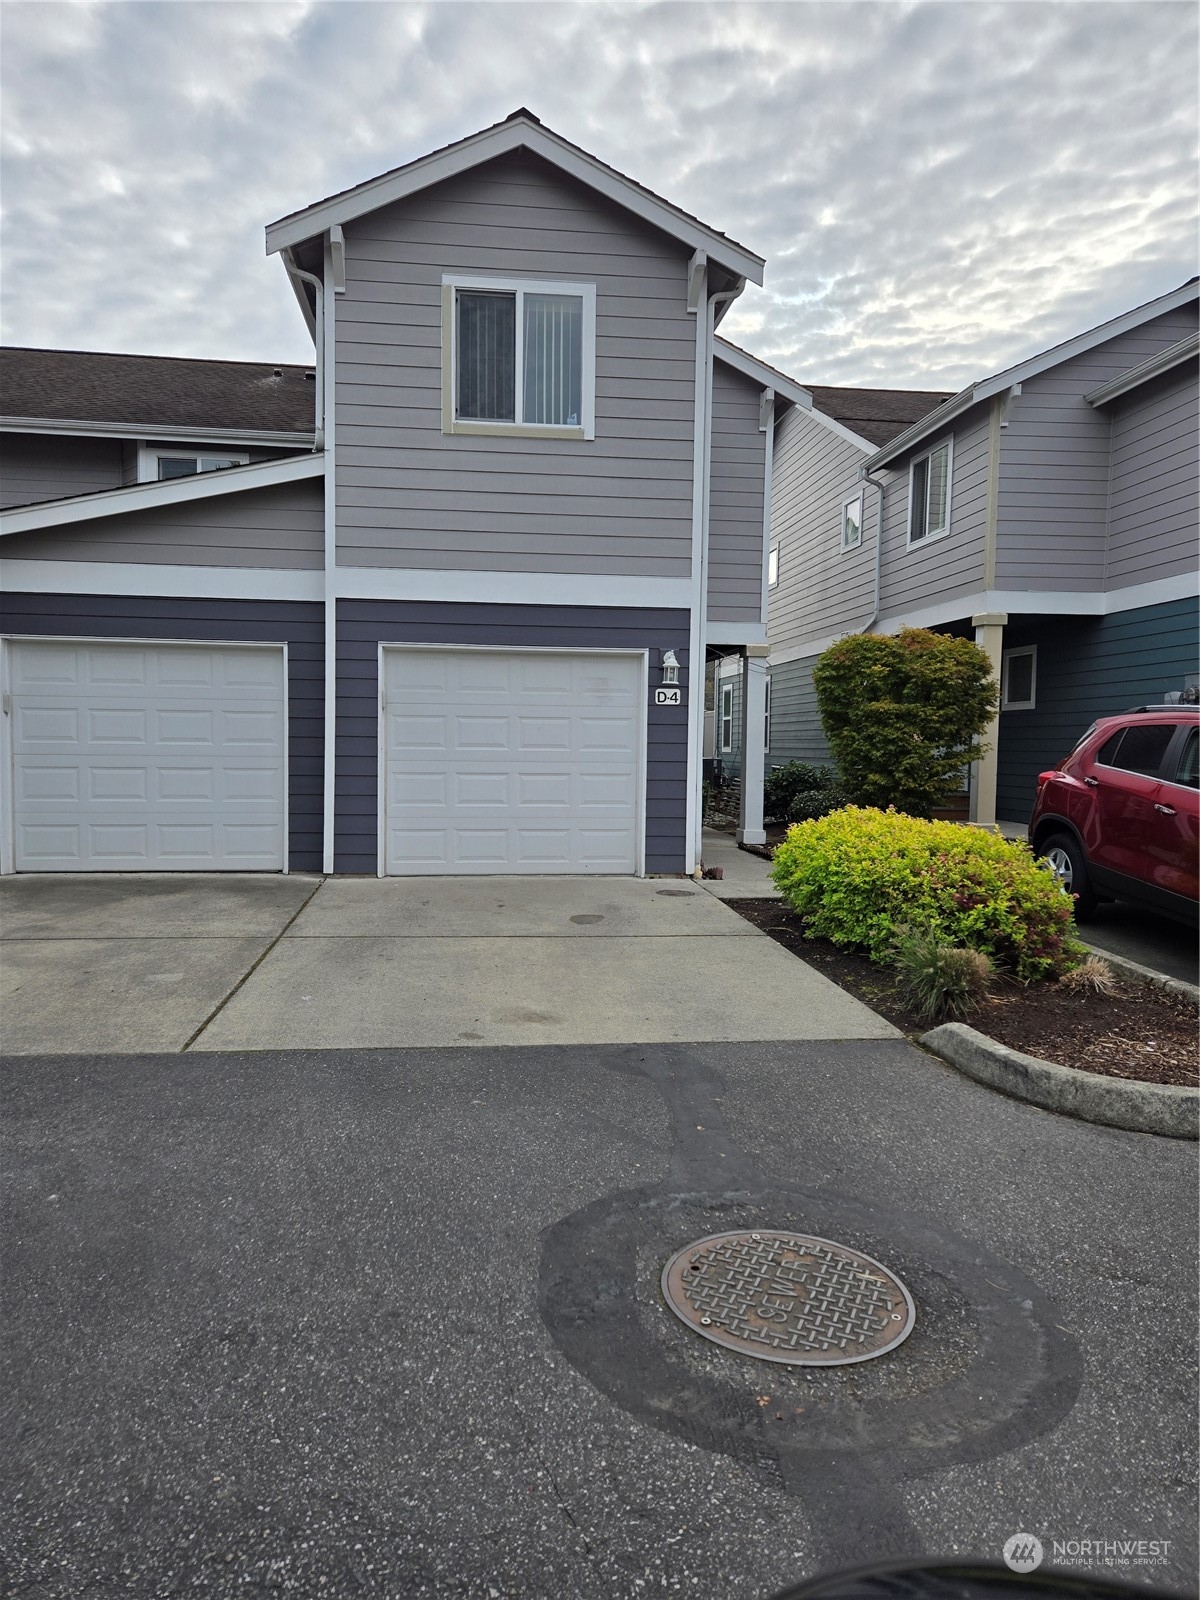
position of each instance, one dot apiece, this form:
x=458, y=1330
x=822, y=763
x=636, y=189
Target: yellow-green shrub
x=858, y=876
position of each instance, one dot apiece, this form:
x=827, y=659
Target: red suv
x=1119, y=819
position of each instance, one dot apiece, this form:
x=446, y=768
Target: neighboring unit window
x=767, y=721
x=726, y=718
x=773, y=566
x=929, y=494
x=522, y=355
x=1018, y=679
x=1139, y=749
x=185, y=466
x=852, y=512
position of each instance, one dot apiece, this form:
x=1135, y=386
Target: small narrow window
x=852, y=512
x=178, y=466
x=929, y=493
x=726, y=718
x=1018, y=679
x=767, y=721
x=773, y=566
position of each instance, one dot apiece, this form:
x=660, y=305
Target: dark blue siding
x=295, y=623
x=1087, y=667
x=362, y=624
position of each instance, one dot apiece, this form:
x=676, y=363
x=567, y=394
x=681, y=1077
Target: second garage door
x=512, y=761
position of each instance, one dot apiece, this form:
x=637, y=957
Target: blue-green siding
x=796, y=732
x=1087, y=667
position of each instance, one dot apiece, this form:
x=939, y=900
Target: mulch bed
x=1141, y=1032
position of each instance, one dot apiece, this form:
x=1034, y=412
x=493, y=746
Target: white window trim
x=852, y=500
x=924, y=455
x=767, y=717
x=451, y=283
x=726, y=719
x=149, y=455
x=1006, y=704
x=773, y=567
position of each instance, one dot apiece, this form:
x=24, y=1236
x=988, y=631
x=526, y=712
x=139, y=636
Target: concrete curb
x=1114, y=1102
x=1124, y=968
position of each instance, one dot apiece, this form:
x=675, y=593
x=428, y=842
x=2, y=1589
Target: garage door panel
x=538, y=769
x=133, y=757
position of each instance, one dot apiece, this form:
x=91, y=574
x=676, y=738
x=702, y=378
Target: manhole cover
x=788, y=1297
x=678, y=894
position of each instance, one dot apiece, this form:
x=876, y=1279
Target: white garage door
x=147, y=757
x=509, y=761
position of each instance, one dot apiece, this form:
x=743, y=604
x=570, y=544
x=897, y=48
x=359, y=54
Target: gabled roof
x=761, y=372
x=1175, y=355
x=974, y=393
x=876, y=415
x=520, y=130
x=164, y=492
x=86, y=391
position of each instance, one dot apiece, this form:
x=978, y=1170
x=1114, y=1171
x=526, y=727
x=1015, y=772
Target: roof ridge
x=146, y=355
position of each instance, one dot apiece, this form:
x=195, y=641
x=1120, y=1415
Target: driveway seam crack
x=249, y=972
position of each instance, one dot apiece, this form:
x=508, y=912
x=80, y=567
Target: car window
x=1140, y=748
x=1188, y=771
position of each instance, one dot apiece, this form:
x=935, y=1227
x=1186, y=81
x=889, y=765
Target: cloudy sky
x=938, y=189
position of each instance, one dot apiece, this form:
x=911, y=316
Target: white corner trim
x=166, y=434
x=327, y=305
x=168, y=492
x=510, y=588
x=1016, y=602
x=733, y=356
x=166, y=581
x=390, y=187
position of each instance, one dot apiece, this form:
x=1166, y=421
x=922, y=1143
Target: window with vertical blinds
x=523, y=355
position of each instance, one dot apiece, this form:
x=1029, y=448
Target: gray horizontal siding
x=821, y=590
x=409, y=495
x=363, y=624
x=735, y=541
x=1087, y=667
x=796, y=732
x=281, y=527
x=942, y=569
x=230, y=621
x=731, y=759
x=1152, y=517
x=1052, y=530
x=36, y=467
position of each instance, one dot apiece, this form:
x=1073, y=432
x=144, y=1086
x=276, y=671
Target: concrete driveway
x=218, y=962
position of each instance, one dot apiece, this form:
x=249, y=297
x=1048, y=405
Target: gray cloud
x=938, y=189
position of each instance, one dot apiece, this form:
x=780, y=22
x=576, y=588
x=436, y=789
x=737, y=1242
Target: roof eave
x=751, y=367
x=484, y=146
x=1165, y=361
x=159, y=430
x=933, y=423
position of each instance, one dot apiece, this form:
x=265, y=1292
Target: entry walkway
x=222, y=962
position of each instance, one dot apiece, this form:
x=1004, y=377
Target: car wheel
x=1065, y=858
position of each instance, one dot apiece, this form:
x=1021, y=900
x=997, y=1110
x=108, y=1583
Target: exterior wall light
x=670, y=667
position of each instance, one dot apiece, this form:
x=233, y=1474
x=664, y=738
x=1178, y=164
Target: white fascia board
x=485, y=146
x=1087, y=341
x=933, y=423
x=1016, y=602
x=164, y=580
x=510, y=588
x=168, y=492
x=1173, y=356
x=759, y=372
x=843, y=432
x=161, y=432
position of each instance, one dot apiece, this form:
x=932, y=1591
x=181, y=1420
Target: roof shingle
x=877, y=415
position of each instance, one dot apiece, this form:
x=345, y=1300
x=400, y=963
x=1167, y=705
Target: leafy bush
x=938, y=980
x=858, y=875
x=818, y=802
x=903, y=714
x=783, y=783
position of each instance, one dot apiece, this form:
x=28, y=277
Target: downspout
x=701, y=624
x=294, y=272
x=880, y=489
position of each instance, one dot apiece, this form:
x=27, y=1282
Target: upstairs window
x=852, y=515
x=519, y=357
x=929, y=493
x=155, y=465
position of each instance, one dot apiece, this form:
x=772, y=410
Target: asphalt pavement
x=387, y=1323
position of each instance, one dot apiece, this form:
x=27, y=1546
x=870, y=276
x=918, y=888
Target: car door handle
x=1092, y=783
x=1167, y=811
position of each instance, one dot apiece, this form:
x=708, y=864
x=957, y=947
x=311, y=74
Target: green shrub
x=857, y=876
x=818, y=802
x=782, y=784
x=939, y=981
x=903, y=714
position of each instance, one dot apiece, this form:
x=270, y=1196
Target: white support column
x=989, y=636
x=754, y=725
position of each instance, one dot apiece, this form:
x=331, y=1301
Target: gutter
x=167, y=432
x=298, y=275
